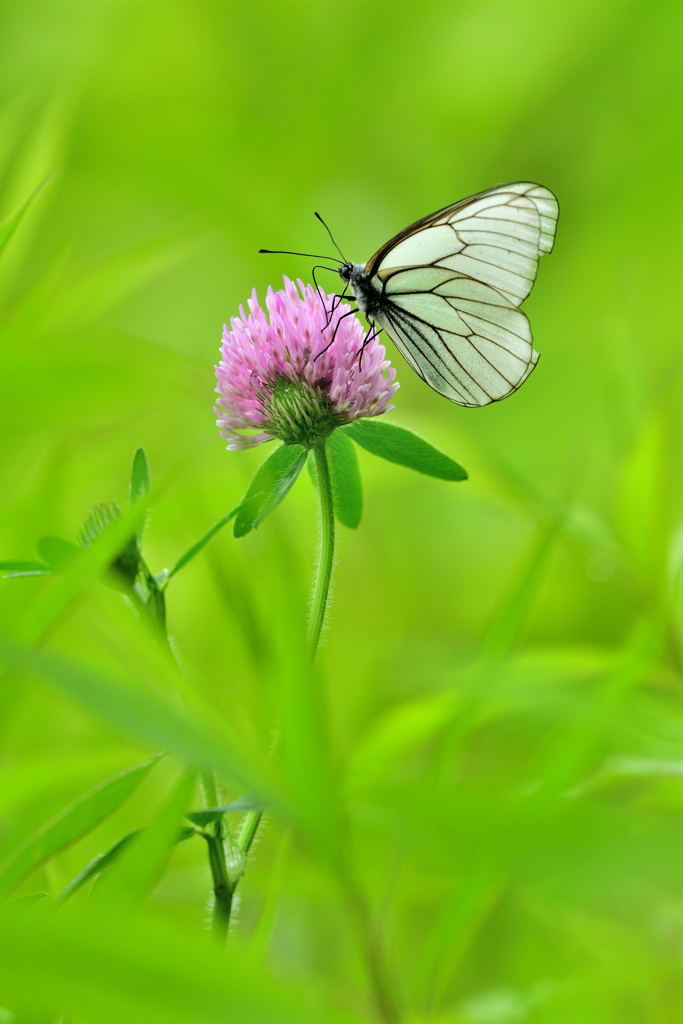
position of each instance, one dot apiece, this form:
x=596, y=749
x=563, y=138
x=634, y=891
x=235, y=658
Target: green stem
x=322, y=583
x=320, y=598
x=223, y=884
x=386, y=1008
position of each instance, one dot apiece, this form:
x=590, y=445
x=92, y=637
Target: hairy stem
x=322, y=584
x=319, y=607
x=223, y=886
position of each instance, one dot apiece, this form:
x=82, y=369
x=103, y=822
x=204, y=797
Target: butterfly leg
x=373, y=332
x=334, y=333
x=321, y=266
x=336, y=300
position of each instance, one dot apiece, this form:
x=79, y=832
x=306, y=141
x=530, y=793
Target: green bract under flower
x=298, y=413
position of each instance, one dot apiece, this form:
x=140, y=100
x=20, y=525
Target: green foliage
x=345, y=477
x=208, y=814
x=10, y=225
x=270, y=485
x=139, y=475
x=140, y=482
x=107, y=971
x=103, y=860
x=396, y=444
x=141, y=862
x=96, y=866
x=476, y=793
x=347, y=491
x=71, y=824
x=20, y=566
x=55, y=552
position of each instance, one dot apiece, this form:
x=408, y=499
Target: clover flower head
x=282, y=376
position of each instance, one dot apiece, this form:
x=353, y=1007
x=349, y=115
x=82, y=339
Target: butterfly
x=447, y=290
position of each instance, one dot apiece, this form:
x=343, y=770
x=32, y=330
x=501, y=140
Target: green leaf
x=57, y=553
x=269, y=487
x=144, y=713
x=396, y=444
x=196, y=548
x=24, y=567
x=141, y=863
x=345, y=477
x=102, y=861
x=209, y=814
x=98, y=965
x=139, y=483
x=82, y=816
x=96, y=865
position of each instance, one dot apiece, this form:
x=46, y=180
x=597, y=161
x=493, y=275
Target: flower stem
x=320, y=598
x=223, y=885
x=322, y=583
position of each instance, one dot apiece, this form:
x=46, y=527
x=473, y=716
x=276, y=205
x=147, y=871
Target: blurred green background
x=491, y=747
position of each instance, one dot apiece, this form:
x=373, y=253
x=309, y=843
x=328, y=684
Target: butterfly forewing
x=450, y=285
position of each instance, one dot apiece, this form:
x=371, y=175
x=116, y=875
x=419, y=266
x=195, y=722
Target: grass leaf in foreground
x=10, y=225
x=94, y=965
x=144, y=714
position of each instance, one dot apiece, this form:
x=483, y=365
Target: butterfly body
x=447, y=289
x=364, y=292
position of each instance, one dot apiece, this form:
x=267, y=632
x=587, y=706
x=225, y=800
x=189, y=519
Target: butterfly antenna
x=310, y=255
x=332, y=239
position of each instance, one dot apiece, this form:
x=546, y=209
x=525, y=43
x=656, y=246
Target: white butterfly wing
x=451, y=284
x=465, y=339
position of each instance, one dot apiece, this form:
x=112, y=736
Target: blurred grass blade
x=570, y=755
x=22, y=565
x=196, y=548
x=507, y=623
x=96, y=967
x=74, y=822
x=396, y=444
x=141, y=863
x=9, y=226
x=84, y=298
x=96, y=865
x=270, y=485
x=142, y=713
x=478, y=682
x=102, y=861
x=345, y=478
